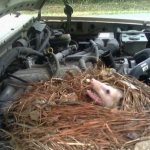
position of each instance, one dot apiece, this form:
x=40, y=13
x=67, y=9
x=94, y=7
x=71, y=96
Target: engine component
x=39, y=72
x=20, y=43
x=13, y=54
x=142, y=55
x=125, y=66
x=46, y=41
x=11, y=92
x=71, y=68
x=95, y=47
x=113, y=46
x=108, y=59
x=84, y=60
x=53, y=63
x=60, y=40
x=100, y=43
x=141, y=69
x=105, y=36
x=106, y=41
x=66, y=52
x=77, y=56
x=30, y=61
x=39, y=26
x=39, y=35
x=133, y=41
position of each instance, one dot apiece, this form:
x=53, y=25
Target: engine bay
x=34, y=50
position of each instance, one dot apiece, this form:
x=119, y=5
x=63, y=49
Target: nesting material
x=57, y=114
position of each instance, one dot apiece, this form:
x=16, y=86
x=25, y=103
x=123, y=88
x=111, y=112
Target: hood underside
x=9, y=6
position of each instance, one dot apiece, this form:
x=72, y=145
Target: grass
x=104, y=7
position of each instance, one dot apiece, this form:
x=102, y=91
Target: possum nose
x=97, y=84
x=94, y=83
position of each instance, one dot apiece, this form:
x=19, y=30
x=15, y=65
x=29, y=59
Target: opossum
x=103, y=94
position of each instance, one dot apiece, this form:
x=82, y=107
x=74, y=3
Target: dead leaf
x=69, y=97
x=35, y=115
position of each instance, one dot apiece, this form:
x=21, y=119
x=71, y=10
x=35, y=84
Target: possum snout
x=107, y=95
x=99, y=86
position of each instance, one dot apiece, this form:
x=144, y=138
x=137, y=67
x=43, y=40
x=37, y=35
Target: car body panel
x=9, y=6
x=8, y=30
x=101, y=18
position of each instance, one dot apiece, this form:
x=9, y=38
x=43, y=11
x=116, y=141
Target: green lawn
x=105, y=7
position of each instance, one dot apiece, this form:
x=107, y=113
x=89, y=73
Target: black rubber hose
x=108, y=60
x=15, y=77
x=142, y=55
x=84, y=59
x=39, y=37
x=140, y=69
x=7, y=93
x=79, y=53
x=64, y=53
x=95, y=46
x=13, y=54
x=76, y=43
x=46, y=41
x=77, y=57
x=30, y=75
x=38, y=41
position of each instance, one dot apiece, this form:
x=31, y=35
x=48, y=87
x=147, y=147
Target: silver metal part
x=126, y=66
x=30, y=62
x=133, y=41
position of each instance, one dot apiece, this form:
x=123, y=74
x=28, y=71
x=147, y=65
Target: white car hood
x=9, y=6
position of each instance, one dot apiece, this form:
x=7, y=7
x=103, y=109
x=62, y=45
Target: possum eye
x=107, y=91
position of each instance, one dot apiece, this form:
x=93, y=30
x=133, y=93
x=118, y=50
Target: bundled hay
x=57, y=114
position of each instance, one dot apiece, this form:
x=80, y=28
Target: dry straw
x=57, y=114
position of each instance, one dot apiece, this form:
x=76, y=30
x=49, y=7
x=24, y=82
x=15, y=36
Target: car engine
x=34, y=50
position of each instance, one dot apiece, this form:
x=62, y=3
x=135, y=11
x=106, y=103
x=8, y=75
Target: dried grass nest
x=57, y=114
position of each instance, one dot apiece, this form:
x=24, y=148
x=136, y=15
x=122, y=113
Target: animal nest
x=57, y=114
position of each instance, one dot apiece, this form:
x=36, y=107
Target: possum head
x=103, y=94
